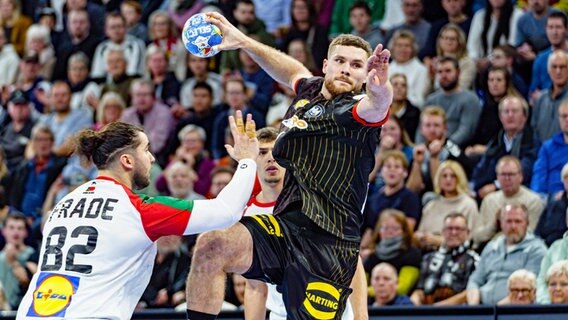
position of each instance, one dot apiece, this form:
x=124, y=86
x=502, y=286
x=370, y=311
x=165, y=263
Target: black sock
x=196, y=315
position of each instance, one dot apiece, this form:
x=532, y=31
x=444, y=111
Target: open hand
x=378, y=84
x=244, y=135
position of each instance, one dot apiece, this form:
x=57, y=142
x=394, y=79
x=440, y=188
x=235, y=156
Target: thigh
x=270, y=252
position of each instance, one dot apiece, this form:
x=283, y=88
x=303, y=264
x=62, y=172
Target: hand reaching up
x=244, y=135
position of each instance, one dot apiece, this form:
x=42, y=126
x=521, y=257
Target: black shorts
x=312, y=268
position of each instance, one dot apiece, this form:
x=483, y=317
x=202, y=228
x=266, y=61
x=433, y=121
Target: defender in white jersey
x=271, y=177
x=99, y=245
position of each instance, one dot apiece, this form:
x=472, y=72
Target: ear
x=127, y=161
x=324, y=68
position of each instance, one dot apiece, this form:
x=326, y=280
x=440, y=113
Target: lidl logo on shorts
x=52, y=295
x=269, y=224
x=322, y=300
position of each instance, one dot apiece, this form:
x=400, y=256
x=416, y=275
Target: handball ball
x=199, y=36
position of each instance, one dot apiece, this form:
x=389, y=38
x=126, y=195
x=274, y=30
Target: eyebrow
x=355, y=60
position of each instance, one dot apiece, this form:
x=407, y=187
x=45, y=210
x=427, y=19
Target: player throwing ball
x=99, y=241
x=327, y=141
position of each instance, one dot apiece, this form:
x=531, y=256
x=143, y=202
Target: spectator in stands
x=8, y=61
x=63, y=121
x=340, y=19
x=181, y=179
x=15, y=136
x=445, y=272
x=509, y=178
x=516, y=138
x=115, y=31
x=461, y=105
x=392, y=242
x=30, y=181
x=166, y=85
x=435, y=149
x=109, y=110
x=384, y=281
x=497, y=87
x=556, y=32
x=192, y=152
x=14, y=23
x=15, y=273
x=200, y=113
x=504, y=56
x=531, y=29
x=521, y=288
x=166, y=288
x=451, y=42
x=413, y=22
x=404, y=49
x=198, y=69
x=515, y=249
x=117, y=79
x=261, y=85
x=47, y=17
x=558, y=251
x=392, y=137
x=452, y=195
x=492, y=26
x=456, y=15
x=132, y=12
x=299, y=50
x=38, y=42
x=360, y=21
x=236, y=99
x=305, y=26
x=402, y=108
x=552, y=156
x=96, y=14
x=163, y=32
x=249, y=24
x=276, y=15
x=4, y=173
x=153, y=116
x=32, y=83
x=557, y=282
x=180, y=11
x=393, y=195
x=78, y=38
x=552, y=223
x=83, y=89
x=220, y=177
x=544, y=118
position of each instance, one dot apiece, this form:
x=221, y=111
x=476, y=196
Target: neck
x=451, y=194
x=557, y=89
x=62, y=114
x=496, y=13
x=454, y=90
x=389, y=190
x=511, y=133
x=18, y=125
x=381, y=301
x=159, y=78
x=269, y=192
x=303, y=25
x=122, y=177
x=252, y=69
x=460, y=17
x=396, y=106
x=511, y=193
x=201, y=77
x=561, y=46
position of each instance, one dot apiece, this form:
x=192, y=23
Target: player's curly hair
x=104, y=146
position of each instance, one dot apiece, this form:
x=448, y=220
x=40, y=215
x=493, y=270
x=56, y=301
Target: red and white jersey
x=274, y=301
x=99, y=246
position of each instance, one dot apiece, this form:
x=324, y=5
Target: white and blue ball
x=200, y=36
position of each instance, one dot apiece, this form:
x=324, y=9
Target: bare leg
x=255, y=300
x=358, y=298
x=217, y=253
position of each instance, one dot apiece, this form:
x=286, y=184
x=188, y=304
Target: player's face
x=268, y=170
x=143, y=164
x=345, y=70
x=558, y=289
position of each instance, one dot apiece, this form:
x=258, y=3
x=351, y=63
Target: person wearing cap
x=32, y=83
x=16, y=134
x=8, y=61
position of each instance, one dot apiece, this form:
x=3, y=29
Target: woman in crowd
x=452, y=195
x=109, y=109
x=163, y=32
x=299, y=50
x=83, y=89
x=38, y=42
x=557, y=282
x=166, y=86
x=393, y=243
x=451, y=42
x=14, y=24
x=401, y=107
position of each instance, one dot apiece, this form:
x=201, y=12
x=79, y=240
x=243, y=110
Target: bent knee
x=229, y=249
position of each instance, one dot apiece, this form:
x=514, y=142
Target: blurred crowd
x=468, y=199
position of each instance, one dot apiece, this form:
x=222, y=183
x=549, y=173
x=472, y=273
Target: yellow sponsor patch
x=322, y=300
x=301, y=103
x=52, y=295
x=269, y=223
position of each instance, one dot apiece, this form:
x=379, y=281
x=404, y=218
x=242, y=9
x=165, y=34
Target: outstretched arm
x=278, y=65
x=375, y=106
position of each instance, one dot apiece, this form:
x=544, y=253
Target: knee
x=210, y=248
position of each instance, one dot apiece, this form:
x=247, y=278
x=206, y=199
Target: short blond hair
x=350, y=40
x=435, y=111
